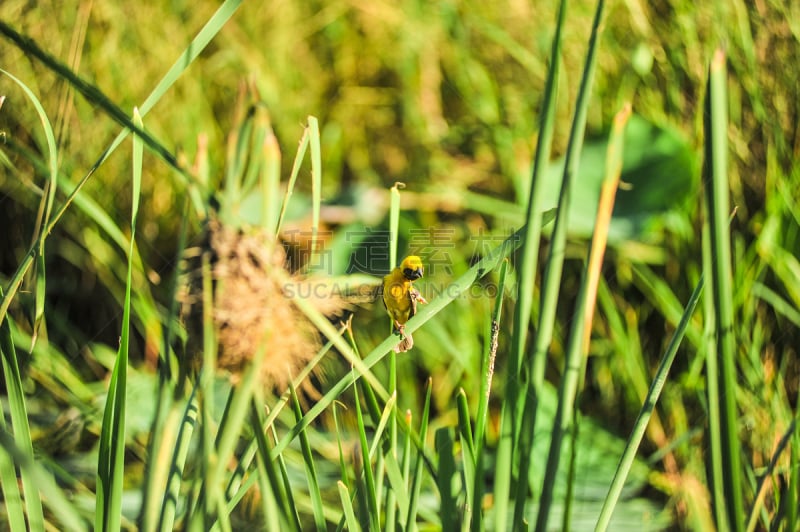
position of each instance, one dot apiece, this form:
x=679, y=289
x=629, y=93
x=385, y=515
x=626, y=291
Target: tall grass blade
x=445, y=474
x=274, y=483
x=22, y=436
x=467, y=457
x=516, y=388
x=368, y=487
x=270, y=181
x=111, y=459
x=298, y=162
x=15, y=512
x=272, y=499
x=416, y=483
x=394, y=235
x=487, y=373
x=347, y=508
x=311, y=472
x=552, y=281
x=721, y=291
x=316, y=180
x=640, y=425
x=187, y=423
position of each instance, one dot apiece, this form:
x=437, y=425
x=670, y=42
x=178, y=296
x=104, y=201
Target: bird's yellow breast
x=397, y=296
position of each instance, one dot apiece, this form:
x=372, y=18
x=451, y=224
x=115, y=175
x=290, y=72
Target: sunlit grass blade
x=445, y=474
x=316, y=179
x=399, y=490
x=111, y=459
x=57, y=501
x=345, y=478
x=577, y=343
x=22, y=439
x=394, y=235
x=187, y=423
x=311, y=472
x=270, y=181
x=347, y=508
x=640, y=425
x=368, y=487
x=15, y=512
x=298, y=162
x=407, y=469
x=383, y=423
x=416, y=482
x=271, y=482
x=721, y=290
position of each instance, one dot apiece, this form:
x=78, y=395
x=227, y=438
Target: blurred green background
x=444, y=97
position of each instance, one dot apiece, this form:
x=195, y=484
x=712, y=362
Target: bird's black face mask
x=412, y=275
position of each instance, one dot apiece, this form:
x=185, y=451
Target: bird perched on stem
x=400, y=298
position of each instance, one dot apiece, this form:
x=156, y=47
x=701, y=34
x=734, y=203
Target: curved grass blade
x=111, y=457
x=640, y=426
x=46, y=207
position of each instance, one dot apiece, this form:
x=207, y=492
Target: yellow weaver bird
x=400, y=298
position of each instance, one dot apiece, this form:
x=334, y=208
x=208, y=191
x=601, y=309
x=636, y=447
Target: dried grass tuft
x=253, y=306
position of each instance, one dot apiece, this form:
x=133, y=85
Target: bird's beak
x=412, y=275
